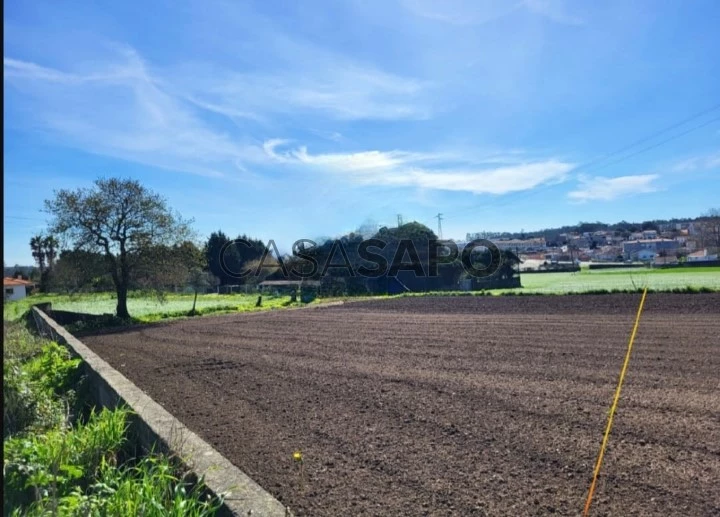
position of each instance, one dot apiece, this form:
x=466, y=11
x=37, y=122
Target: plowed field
x=451, y=405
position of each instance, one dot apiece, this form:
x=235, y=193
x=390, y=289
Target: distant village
x=669, y=244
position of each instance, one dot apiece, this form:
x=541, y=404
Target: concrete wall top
x=243, y=496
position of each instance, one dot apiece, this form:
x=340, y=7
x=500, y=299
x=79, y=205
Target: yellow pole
x=598, y=463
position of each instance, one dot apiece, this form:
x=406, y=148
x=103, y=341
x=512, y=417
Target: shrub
x=51, y=468
x=38, y=393
x=46, y=465
x=18, y=342
x=152, y=487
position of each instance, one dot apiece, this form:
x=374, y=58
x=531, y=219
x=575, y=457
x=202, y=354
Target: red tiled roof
x=16, y=281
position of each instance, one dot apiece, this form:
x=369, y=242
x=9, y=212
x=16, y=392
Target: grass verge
x=59, y=459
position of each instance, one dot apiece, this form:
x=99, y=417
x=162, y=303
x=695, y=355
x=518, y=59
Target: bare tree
x=261, y=269
x=709, y=228
x=200, y=280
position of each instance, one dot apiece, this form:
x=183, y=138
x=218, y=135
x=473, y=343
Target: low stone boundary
x=156, y=429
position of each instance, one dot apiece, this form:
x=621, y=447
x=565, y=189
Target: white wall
x=645, y=254
x=18, y=292
x=706, y=258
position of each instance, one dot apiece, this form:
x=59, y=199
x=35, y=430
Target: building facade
x=632, y=248
x=16, y=289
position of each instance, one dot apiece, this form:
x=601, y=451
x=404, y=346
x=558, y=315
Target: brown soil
x=451, y=405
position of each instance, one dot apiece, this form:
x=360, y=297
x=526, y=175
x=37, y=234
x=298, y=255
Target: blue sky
x=289, y=120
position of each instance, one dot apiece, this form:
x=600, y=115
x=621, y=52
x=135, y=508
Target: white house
x=16, y=289
x=522, y=245
x=649, y=234
x=631, y=248
x=645, y=255
x=701, y=256
x=608, y=254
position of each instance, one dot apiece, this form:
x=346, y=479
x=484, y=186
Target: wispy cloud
x=554, y=10
x=121, y=110
x=336, y=88
x=460, y=12
x=334, y=136
x=124, y=109
x=269, y=68
x=607, y=189
x=423, y=170
x=474, y=12
x=698, y=163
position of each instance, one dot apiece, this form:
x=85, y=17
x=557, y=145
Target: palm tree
x=50, y=247
x=38, y=251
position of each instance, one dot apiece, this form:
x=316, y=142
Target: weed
x=53, y=467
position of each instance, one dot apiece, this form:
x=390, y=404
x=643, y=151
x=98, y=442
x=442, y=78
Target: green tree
x=38, y=251
x=225, y=257
x=199, y=280
x=78, y=270
x=213, y=251
x=44, y=250
x=50, y=247
x=119, y=218
x=165, y=268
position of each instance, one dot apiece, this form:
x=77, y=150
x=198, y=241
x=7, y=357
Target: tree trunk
x=194, y=302
x=122, y=310
x=122, y=280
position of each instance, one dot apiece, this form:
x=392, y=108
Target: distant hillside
x=581, y=227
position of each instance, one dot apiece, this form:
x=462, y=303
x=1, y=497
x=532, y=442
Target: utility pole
x=439, y=218
x=399, y=220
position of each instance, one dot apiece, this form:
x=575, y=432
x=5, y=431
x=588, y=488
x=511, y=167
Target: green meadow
x=148, y=308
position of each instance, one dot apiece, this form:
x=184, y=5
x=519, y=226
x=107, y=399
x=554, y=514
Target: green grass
x=56, y=462
x=146, y=308
x=690, y=280
x=666, y=271
x=618, y=280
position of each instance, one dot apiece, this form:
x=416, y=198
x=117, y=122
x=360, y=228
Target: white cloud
x=349, y=162
x=607, y=189
x=125, y=109
x=424, y=170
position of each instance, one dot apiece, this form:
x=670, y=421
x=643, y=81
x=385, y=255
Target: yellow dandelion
x=297, y=456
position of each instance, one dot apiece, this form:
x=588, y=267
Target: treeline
x=406, y=258
x=155, y=268
x=121, y=235
x=395, y=259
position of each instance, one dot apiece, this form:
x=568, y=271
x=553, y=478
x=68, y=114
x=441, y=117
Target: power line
x=23, y=218
x=648, y=138
x=658, y=144
x=613, y=153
